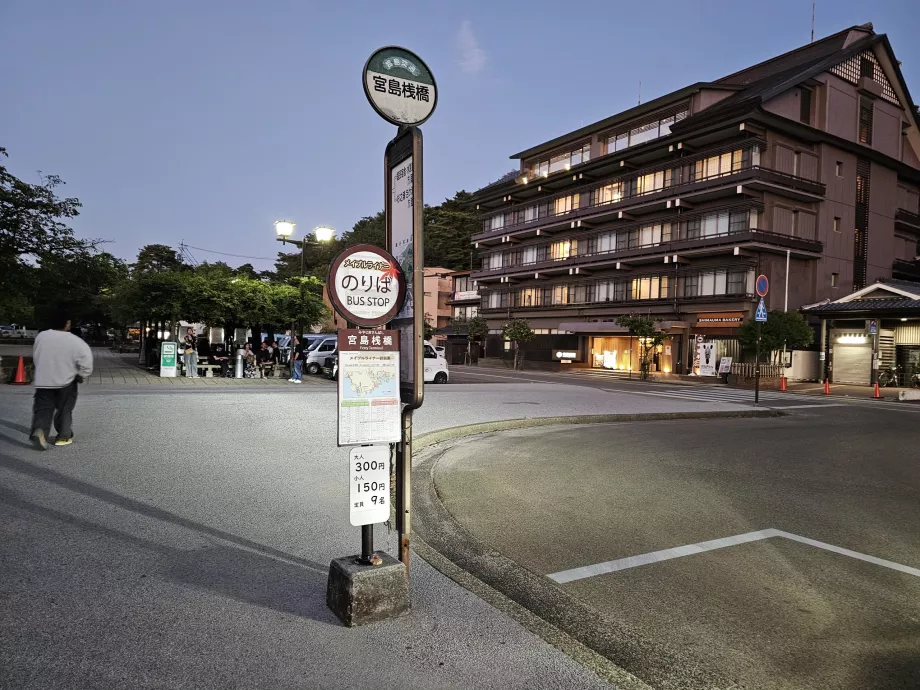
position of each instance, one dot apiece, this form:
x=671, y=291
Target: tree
x=787, y=329
x=518, y=331
x=449, y=228
x=29, y=216
x=153, y=258
x=81, y=282
x=31, y=227
x=476, y=331
x=478, y=328
x=650, y=337
x=429, y=327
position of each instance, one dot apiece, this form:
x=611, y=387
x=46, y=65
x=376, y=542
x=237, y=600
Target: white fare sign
x=369, y=480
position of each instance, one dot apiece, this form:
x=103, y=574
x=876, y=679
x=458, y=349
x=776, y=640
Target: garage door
x=851, y=364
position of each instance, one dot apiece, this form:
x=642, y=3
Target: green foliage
x=646, y=330
x=518, y=331
x=429, y=326
x=30, y=217
x=81, y=283
x=154, y=258
x=449, y=228
x=787, y=329
x=477, y=328
x=31, y=227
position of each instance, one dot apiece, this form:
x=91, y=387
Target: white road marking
x=690, y=549
x=499, y=376
x=812, y=405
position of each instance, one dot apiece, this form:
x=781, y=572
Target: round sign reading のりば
x=399, y=86
x=366, y=286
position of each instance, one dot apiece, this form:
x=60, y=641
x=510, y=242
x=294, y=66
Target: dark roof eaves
x=625, y=115
x=790, y=52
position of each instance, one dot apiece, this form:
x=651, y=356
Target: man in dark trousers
x=62, y=360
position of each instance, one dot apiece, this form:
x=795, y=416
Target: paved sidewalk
x=121, y=369
x=113, y=368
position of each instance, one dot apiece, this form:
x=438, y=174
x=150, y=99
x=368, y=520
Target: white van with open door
x=436, y=370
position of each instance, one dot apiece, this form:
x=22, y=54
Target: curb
x=433, y=437
x=602, y=644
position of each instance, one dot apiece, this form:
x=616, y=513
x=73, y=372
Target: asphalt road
x=183, y=541
x=796, y=607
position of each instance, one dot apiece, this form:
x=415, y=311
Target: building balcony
x=626, y=305
x=905, y=269
x=739, y=241
x=906, y=220
x=464, y=297
x=594, y=209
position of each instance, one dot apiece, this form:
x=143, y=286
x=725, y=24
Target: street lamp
x=323, y=233
x=284, y=229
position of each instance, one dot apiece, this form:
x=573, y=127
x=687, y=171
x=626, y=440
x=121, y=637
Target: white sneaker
x=298, y=381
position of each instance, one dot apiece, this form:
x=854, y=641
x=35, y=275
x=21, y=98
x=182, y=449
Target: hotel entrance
x=624, y=353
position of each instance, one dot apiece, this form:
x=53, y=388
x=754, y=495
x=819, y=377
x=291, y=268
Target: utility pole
x=812, y=22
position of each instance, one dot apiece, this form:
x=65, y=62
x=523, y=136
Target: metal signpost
x=763, y=287
x=401, y=88
x=367, y=287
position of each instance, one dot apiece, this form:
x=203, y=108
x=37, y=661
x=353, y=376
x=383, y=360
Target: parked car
x=436, y=370
x=316, y=353
x=14, y=331
x=331, y=366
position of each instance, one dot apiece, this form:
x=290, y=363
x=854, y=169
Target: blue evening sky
x=208, y=120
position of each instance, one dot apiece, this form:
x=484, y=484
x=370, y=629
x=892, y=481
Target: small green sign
x=168, y=355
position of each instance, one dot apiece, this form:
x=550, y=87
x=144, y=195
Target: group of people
x=261, y=362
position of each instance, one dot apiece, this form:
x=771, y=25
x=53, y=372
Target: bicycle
x=888, y=378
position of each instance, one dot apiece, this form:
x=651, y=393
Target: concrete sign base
x=359, y=593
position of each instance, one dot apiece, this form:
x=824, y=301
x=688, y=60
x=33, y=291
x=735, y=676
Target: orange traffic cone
x=20, y=378
x=877, y=393
x=827, y=387
x=782, y=384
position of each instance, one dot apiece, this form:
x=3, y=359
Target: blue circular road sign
x=763, y=285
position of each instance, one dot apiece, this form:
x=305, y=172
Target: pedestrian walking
x=297, y=361
x=276, y=358
x=62, y=361
x=190, y=354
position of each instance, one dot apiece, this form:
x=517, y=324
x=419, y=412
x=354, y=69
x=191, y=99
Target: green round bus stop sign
x=399, y=86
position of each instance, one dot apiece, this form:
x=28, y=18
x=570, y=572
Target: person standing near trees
x=190, y=354
x=296, y=361
x=62, y=360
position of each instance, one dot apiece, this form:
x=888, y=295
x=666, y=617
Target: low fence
x=746, y=370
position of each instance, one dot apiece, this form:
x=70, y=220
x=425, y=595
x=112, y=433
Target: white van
x=315, y=355
x=436, y=370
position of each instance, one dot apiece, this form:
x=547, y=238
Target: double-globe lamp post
x=284, y=229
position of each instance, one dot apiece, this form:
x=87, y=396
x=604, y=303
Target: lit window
x=609, y=194
x=563, y=249
x=834, y=279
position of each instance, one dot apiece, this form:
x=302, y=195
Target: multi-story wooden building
x=805, y=167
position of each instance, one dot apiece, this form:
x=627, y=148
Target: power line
x=237, y=256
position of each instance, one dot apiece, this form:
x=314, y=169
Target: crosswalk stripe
x=731, y=396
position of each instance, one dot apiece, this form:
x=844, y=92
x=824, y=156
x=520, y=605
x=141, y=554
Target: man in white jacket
x=62, y=360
